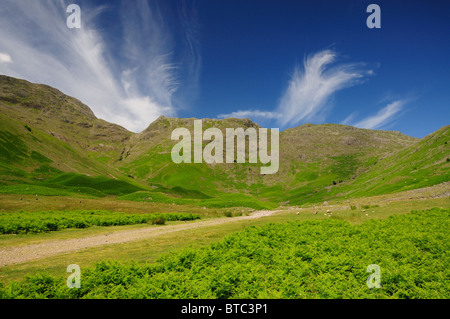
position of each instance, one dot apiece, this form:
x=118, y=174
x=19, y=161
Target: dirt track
x=16, y=255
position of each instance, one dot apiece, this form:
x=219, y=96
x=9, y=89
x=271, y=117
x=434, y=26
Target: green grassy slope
x=52, y=144
x=423, y=164
x=318, y=158
x=312, y=159
x=45, y=134
x=149, y=158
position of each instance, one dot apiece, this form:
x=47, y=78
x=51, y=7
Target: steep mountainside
x=312, y=157
x=422, y=164
x=45, y=134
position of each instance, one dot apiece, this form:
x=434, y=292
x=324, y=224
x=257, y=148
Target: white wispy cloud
x=191, y=57
x=383, y=117
x=251, y=114
x=5, y=58
x=309, y=89
x=349, y=119
x=127, y=75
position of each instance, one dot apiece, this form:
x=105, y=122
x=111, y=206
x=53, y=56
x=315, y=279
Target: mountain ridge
x=45, y=133
x=12, y=97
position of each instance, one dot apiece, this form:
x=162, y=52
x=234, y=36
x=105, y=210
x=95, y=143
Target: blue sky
x=280, y=63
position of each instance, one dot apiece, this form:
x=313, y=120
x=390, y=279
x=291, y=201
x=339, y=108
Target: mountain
x=422, y=164
x=52, y=143
x=46, y=134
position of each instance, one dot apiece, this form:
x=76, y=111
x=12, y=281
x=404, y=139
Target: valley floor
x=22, y=255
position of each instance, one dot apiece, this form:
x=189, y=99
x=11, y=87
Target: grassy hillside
x=423, y=164
x=317, y=159
x=313, y=158
x=35, y=109
x=149, y=159
x=52, y=144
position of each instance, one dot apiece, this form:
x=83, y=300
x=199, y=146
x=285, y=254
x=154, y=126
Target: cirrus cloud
x=126, y=72
x=383, y=117
x=251, y=113
x=309, y=90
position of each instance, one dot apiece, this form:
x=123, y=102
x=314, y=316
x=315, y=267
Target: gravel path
x=16, y=255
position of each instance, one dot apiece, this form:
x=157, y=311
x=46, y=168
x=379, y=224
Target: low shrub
x=37, y=222
x=159, y=221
